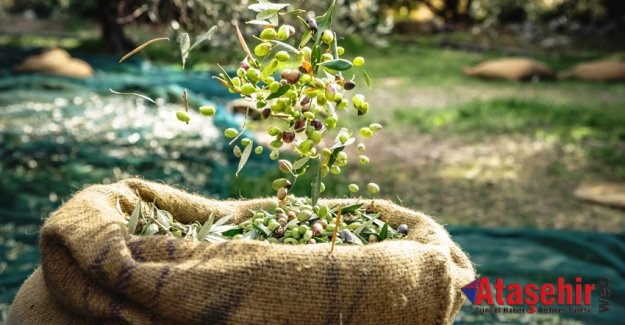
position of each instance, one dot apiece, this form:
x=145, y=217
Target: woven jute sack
x=94, y=271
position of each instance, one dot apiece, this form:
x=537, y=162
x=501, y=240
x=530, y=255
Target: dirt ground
x=516, y=181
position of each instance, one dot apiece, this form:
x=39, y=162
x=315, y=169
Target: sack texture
x=94, y=271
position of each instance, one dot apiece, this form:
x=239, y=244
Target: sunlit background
x=528, y=175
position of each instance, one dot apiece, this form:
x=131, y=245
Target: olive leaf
x=337, y=64
x=266, y=5
x=133, y=94
x=185, y=44
x=383, y=232
x=285, y=46
x=258, y=22
x=228, y=80
x=300, y=163
x=352, y=208
x=281, y=91
x=367, y=78
x=324, y=22
x=205, y=228
x=244, y=157
x=262, y=229
x=266, y=14
x=204, y=37
x=365, y=225
x=316, y=185
x=134, y=218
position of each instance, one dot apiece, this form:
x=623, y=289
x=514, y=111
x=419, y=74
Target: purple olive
x=288, y=137
x=346, y=236
x=316, y=124
x=403, y=229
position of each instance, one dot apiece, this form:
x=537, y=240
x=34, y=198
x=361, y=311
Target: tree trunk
x=113, y=37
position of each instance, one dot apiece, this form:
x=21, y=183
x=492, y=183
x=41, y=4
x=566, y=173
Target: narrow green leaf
x=206, y=228
x=324, y=22
x=204, y=37
x=352, y=208
x=338, y=64
x=362, y=239
x=221, y=229
x=232, y=232
x=333, y=156
x=286, y=47
x=228, y=79
x=281, y=91
x=185, y=44
x=306, y=37
x=315, y=57
x=133, y=94
x=245, y=156
x=383, y=232
x=266, y=5
x=134, y=218
x=367, y=78
x=250, y=235
x=316, y=185
x=338, y=144
x=221, y=221
x=300, y=163
x=365, y=225
x=274, y=20
x=266, y=14
x=214, y=238
x=258, y=22
x=292, y=222
x=262, y=229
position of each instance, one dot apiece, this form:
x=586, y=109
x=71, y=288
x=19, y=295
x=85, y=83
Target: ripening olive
x=231, y=132
x=375, y=127
x=183, y=116
x=327, y=36
x=366, y=132
x=268, y=34
x=248, y=89
x=373, y=188
x=262, y=49
x=282, y=56
x=208, y=110
x=403, y=229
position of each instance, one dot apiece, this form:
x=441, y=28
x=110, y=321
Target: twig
x=243, y=44
x=185, y=100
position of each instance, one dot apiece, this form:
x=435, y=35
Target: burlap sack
x=57, y=62
x=95, y=272
x=511, y=69
x=604, y=70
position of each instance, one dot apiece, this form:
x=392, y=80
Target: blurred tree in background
x=369, y=18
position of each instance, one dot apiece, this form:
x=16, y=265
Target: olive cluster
x=299, y=222
x=301, y=89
